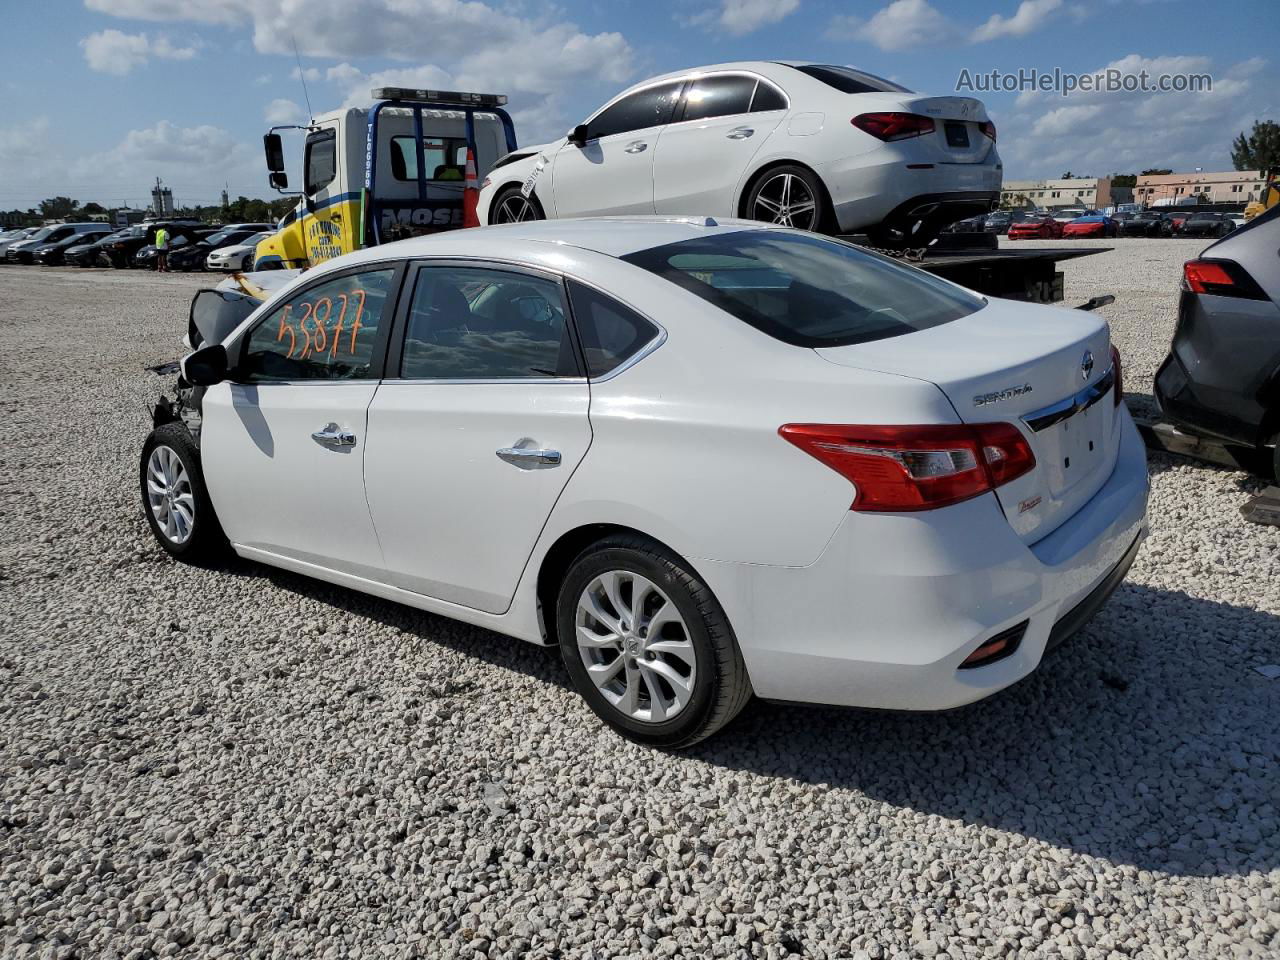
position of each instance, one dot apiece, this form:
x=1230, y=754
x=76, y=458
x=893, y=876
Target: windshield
x=849, y=80
x=42, y=233
x=254, y=240
x=807, y=290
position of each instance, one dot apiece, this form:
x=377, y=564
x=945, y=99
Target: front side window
x=718, y=97
x=611, y=334
x=639, y=111
x=469, y=323
x=807, y=290
x=327, y=332
x=322, y=160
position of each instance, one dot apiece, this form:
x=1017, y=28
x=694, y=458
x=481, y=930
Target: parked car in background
x=1238, y=219
x=749, y=140
x=51, y=254
x=89, y=252
x=1222, y=376
x=10, y=237
x=193, y=256
x=1207, y=225
x=1146, y=223
x=1036, y=227
x=146, y=255
x=1093, y=225
x=236, y=256
x=1000, y=221
x=23, y=251
x=896, y=469
x=968, y=225
x=1176, y=221
x=1067, y=214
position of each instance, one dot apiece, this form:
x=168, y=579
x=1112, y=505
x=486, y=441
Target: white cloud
x=1064, y=121
x=262, y=79
x=310, y=74
x=1030, y=15
x=281, y=111
x=740, y=17
x=344, y=74
x=221, y=11
x=844, y=26
x=908, y=23
x=112, y=51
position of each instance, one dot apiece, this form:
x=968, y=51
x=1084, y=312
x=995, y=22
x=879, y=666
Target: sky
x=102, y=96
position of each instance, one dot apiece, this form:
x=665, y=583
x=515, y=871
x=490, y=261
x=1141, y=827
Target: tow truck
x=401, y=168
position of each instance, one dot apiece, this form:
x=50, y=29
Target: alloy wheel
x=787, y=200
x=515, y=208
x=169, y=495
x=635, y=646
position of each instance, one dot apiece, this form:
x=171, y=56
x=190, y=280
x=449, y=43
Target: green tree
x=1124, y=179
x=57, y=207
x=1156, y=172
x=1259, y=149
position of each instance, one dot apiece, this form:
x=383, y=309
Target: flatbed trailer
x=975, y=260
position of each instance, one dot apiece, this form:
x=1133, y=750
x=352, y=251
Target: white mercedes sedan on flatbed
x=706, y=460
x=809, y=145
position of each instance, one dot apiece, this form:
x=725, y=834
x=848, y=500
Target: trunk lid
x=956, y=137
x=1027, y=365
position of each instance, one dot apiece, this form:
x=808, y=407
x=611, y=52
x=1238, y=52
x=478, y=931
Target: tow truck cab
x=393, y=171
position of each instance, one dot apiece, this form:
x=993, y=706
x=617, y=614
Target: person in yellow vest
x=162, y=250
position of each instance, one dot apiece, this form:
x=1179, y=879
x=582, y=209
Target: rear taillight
x=1119, y=384
x=988, y=129
x=893, y=126
x=916, y=467
x=1221, y=278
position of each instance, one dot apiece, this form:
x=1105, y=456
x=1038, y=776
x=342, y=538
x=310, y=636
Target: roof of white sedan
x=612, y=236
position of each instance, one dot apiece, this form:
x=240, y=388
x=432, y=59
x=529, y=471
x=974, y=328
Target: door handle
x=528, y=458
x=740, y=133
x=334, y=436
x=638, y=146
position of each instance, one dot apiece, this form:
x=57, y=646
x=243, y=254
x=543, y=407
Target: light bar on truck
x=450, y=97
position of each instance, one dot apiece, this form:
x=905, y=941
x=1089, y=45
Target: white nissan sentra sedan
x=707, y=460
x=809, y=145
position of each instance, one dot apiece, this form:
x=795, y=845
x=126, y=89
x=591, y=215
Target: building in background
x=1094, y=193
x=161, y=200
x=1234, y=186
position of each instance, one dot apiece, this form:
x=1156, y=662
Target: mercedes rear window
x=848, y=80
x=807, y=290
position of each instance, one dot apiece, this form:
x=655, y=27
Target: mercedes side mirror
x=279, y=180
x=578, y=136
x=206, y=366
x=275, y=152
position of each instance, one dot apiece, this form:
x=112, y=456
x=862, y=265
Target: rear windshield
x=807, y=290
x=848, y=80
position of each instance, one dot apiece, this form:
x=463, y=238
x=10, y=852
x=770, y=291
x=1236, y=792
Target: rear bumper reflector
x=1002, y=645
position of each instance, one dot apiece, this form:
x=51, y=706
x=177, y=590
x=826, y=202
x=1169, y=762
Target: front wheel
x=175, y=498
x=791, y=196
x=512, y=206
x=647, y=645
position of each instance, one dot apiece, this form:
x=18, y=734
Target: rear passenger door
x=474, y=432
x=720, y=124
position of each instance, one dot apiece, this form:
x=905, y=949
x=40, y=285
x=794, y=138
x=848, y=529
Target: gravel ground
x=244, y=763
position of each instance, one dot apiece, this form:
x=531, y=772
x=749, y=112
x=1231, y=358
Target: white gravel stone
x=240, y=762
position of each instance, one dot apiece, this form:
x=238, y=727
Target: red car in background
x=1036, y=227
x=1098, y=225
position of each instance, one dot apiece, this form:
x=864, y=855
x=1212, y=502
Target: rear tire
x=791, y=196
x=660, y=663
x=175, y=499
x=511, y=206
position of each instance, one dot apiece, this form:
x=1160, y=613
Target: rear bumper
x=896, y=603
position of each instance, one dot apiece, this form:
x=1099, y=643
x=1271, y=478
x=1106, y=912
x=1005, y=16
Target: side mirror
x=275, y=152
x=206, y=366
x=578, y=136
x=279, y=180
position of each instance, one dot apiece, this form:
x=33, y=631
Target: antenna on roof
x=311, y=117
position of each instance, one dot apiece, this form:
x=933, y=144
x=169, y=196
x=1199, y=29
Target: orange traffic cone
x=471, y=193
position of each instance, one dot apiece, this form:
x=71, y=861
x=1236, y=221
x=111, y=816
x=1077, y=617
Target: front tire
x=175, y=499
x=647, y=644
x=791, y=196
x=511, y=206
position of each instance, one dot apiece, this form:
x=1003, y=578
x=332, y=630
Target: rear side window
x=645, y=108
x=848, y=80
x=611, y=334
x=807, y=290
x=767, y=97
x=718, y=97
x=321, y=161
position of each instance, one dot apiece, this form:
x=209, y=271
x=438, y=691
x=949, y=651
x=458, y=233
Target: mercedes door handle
x=529, y=457
x=334, y=436
x=639, y=146
x=739, y=133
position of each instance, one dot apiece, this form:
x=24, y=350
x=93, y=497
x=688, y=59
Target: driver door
x=612, y=173
x=284, y=444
